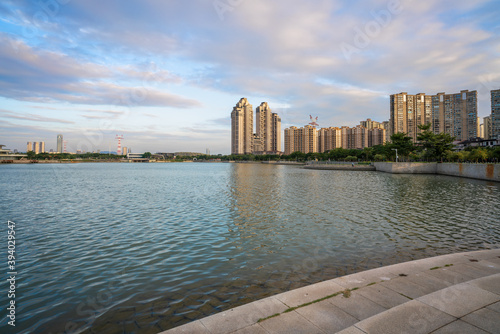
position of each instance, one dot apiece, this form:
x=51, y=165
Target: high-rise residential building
x=345, y=132
x=36, y=147
x=276, y=133
x=29, y=147
x=386, y=127
x=310, y=139
x=124, y=150
x=257, y=144
x=329, y=139
x=495, y=114
x=303, y=139
x=59, y=143
x=408, y=112
x=268, y=130
x=358, y=137
x=487, y=127
x=460, y=115
x=376, y=136
x=399, y=113
x=455, y=114
x=290, y=143
x=369, y=124
x=41, y=147
x=242, y=128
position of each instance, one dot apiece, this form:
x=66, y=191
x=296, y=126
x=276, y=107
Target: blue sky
x=166, y=74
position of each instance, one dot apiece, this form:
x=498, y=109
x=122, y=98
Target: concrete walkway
x=456, y=293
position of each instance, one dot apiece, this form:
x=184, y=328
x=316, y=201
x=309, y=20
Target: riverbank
x=444, y=294
x=341, y=167
x=481, y=171
x=53, y=161
x=289, y=163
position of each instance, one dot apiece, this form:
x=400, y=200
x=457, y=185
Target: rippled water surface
x=110, y=248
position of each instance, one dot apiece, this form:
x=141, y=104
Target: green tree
x=298, y=156
x=434, y=145
x=452, y=156
x=494, y=153
x=479, y=154
x=368, y=153
x=463, y=155
x=402, y=143
x=379, y=157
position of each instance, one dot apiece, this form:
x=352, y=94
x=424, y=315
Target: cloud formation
x=336, y=59
x=36, y=75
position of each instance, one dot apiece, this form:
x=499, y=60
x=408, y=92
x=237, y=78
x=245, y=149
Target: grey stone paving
x=455, y=293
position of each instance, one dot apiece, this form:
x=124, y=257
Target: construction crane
x=119, y=151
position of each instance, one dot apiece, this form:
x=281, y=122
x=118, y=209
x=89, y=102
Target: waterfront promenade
x=456, y=293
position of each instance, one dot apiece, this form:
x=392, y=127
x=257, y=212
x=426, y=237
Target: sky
x=166, y=74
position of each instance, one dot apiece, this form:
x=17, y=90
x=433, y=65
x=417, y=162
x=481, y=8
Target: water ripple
x=106, y=248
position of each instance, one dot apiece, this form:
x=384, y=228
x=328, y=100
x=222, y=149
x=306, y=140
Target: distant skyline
x=166, y=74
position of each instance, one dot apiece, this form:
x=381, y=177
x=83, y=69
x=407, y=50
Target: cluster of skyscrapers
x=308, y=139
x=266, y=139
x=455, y=114
x=37, y=147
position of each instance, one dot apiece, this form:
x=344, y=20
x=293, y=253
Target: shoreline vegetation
x=430, y=147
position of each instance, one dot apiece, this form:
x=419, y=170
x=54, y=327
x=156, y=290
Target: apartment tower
x=59, y=143
x=329, y=139
x=495, y=114
x=304, y=139
x=455, y=114
x=242, y=128
x=268, y=130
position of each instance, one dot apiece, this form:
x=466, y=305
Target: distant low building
x=6, y=154
x=476, y=142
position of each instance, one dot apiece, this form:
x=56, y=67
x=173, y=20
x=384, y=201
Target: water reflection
x=188, y=240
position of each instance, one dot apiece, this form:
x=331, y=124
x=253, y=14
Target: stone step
x=424, y=291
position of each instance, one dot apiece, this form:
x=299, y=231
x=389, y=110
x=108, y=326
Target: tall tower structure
x=276, y=133
x=242, y=128
x=59, y=143
x=458, y=114
x=29, y=146
x=36, y=147
x=398, y=118
x=119, y=149
x=263, y=122
x=495, y=114
x=268, y=129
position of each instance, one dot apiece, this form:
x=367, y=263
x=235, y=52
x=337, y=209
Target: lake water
x=109, y=248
